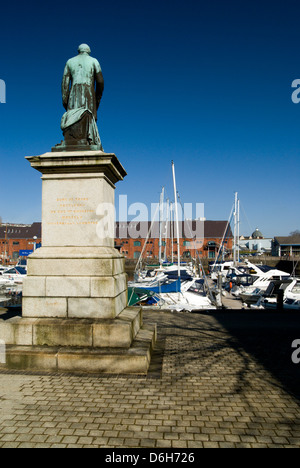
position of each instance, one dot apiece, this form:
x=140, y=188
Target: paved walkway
x=222, y=380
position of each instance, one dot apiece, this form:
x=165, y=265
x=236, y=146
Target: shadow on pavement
x=268, y=337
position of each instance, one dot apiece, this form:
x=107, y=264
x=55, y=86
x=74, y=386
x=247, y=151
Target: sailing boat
x=186, y=292
x=220, y=266
x=190, y=295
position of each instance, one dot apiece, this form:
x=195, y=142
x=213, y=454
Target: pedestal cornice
x=75, y=162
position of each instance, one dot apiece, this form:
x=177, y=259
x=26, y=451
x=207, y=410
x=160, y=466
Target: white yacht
x=13, y=275
x=190, y=296
x=223, y=267
x=291, y=297
x=261, y=280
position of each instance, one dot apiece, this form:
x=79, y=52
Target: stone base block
x=74, y=310
x=72, y=307
x=76, y=261
x=135, y=360
x=69, y=282
x=98, y=333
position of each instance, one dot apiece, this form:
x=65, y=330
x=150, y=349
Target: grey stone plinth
x=77, y=273
x=75, y=282
x=78, y=197
x=74, y=311
x=122, y=345
x=98, y=333
x=75, y=261
x=133, y=360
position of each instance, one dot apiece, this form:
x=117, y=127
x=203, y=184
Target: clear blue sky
x=204, y=83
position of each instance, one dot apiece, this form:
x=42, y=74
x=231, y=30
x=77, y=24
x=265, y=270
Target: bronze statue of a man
x=82, y=89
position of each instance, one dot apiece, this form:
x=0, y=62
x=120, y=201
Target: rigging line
x=146, y=240
x=132, y=292
x=166, y=227
x=167, y=186
x=197, y=253
x=244, y=212
x=224, y=237
x=294, y=268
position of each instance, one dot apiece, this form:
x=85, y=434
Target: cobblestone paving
x=214, y=381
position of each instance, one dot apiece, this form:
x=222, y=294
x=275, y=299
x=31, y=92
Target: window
x=187, y=254
x=186, y=243
x=137, y=254
x=137, y=244
x=12, y=271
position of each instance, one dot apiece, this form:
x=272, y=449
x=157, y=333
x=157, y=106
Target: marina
x=149, y=228
x=159, y=287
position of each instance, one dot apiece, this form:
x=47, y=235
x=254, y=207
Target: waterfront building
x=197, y=237
x=288, y=246
x=15, y=238
x=255, y=243
x=202, y=238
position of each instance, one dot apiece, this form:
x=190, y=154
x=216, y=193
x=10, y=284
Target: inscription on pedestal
x=72, y=211
x=78, y=212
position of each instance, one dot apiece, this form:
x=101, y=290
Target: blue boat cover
x=175, y=286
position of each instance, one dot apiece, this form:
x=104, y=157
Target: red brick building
x=196, y=238
x=203, y=239
x=16, y=237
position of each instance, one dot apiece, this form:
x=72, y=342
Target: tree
x=295, y=233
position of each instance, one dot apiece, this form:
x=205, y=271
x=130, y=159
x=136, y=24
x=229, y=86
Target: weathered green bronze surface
x=82, y=89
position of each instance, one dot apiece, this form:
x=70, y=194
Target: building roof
x=21, y=231
x=257, y=234
x=134, y=229
x=216, y=229
x=288, y=240
x=188, y=229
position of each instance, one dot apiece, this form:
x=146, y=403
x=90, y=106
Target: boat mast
x=238, y=230
x=176, y=218
x=235, y=227
x=6, y=250
x=166, y=230
x=160, y=224
x=172, y=232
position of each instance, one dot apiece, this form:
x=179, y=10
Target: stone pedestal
x=75, y=315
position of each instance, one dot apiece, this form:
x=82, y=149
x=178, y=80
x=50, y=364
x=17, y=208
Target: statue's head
x=84, y=48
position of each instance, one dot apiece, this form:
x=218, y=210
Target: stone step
x=97, y=333
x=135, y=360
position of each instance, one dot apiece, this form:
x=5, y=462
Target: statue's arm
x=99, y=83
x=65, y=86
